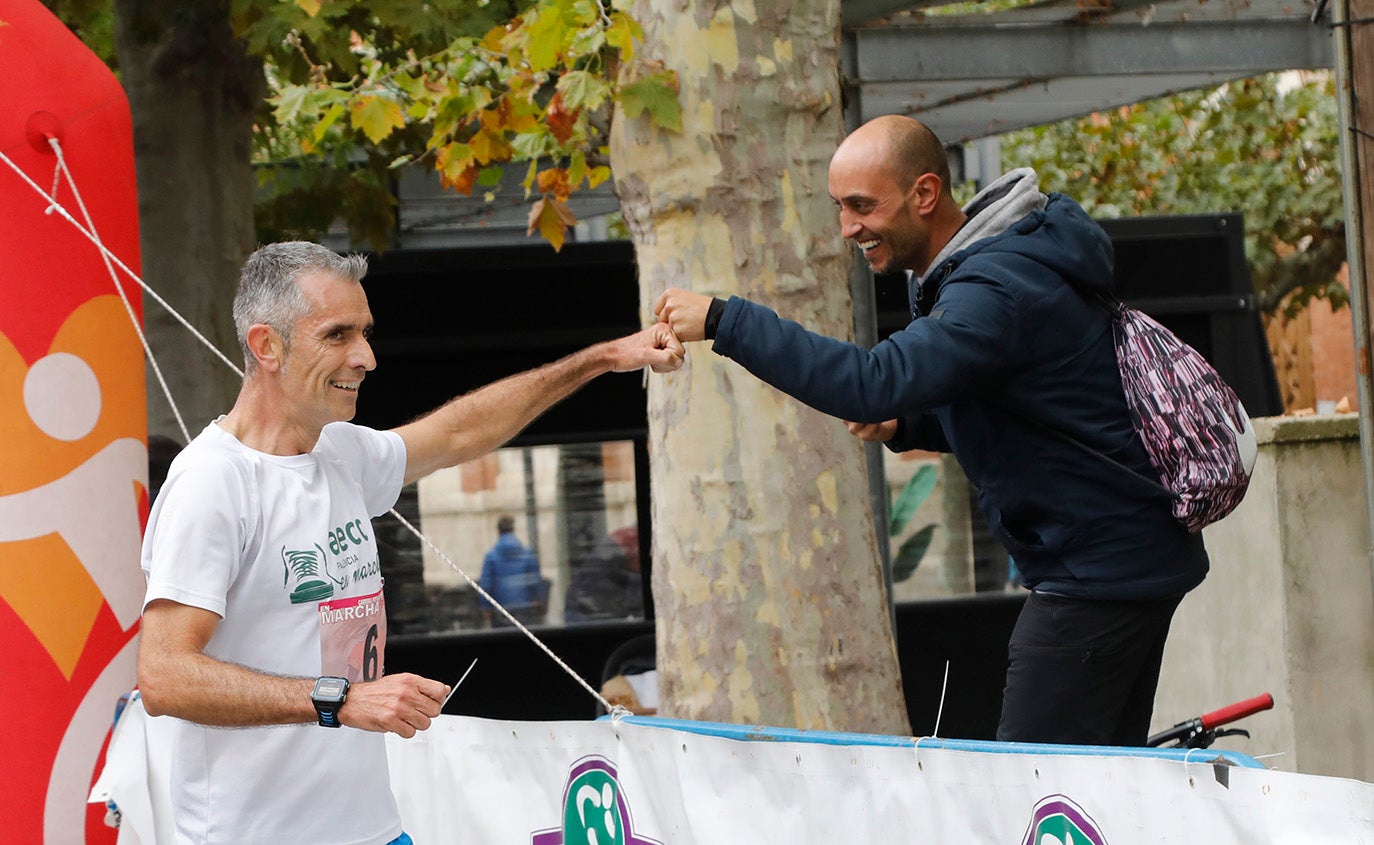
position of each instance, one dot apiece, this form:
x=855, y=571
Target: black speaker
x=451, y=320
x=1189, y=273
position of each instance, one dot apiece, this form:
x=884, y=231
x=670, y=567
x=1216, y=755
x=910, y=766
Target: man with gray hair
x=264, y=609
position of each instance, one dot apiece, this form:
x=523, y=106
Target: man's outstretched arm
x=478, y=422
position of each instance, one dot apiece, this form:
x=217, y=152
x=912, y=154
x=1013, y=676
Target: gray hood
x=996, y=207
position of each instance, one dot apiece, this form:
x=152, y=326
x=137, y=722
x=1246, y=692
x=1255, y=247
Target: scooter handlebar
x=1239, y=710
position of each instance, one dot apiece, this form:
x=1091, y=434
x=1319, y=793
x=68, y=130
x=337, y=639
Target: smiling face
x=328, y=353
x=890, y=180
x=877, y=211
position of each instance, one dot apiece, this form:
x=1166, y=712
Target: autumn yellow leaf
x=483, y=147
x=544, y=220
x=310, y=7
x=461, y=182
x=551, y=219
x=536, y=214
x=597, y=175
x=494, y=40
x=565, y=213
x=554, y=181
x=453, y=159
x=376, y=117
x=494, y=120
x=489, y=146
x=523, y=120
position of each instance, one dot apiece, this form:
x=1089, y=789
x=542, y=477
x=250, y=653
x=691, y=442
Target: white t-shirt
x=282, y=549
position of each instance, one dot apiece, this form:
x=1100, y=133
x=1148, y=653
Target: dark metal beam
x=929, y=53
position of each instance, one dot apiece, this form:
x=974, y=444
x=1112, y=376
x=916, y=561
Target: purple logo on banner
x=594, y=809
x=1057, y=820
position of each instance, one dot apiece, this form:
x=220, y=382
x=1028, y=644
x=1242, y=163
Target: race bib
x=353, y=637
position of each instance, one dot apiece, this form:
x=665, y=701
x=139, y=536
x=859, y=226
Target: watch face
x=329, y=688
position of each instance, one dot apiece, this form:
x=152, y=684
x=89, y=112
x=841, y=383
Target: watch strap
x=327, y=709
x=328, y=716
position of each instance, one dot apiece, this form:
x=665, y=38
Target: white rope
x=56, y=146
x=111, y=259
x=54, y=205
x=1188, y=754
x=941, y=711
x=506, y=613
x=916, y=751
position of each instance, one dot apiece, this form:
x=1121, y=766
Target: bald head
x=904, y=147
x=890, y=182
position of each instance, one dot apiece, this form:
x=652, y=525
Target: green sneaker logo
x=594, y=809
x=1057, y=820
x=303, y=567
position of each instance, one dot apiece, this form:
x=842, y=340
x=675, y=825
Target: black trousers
x=1084, y=672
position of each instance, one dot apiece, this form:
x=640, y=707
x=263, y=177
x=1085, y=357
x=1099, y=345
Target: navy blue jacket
x=1001, y=335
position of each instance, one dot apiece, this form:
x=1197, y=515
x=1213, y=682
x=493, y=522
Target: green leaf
x=292, y=100
x=584, y=12
x=489, y=177
x=330, y=117
x=622, y=33
x=656, y=95
x=413, y=85
x=577, y=167
x=583, y=90
x=588, y=41
x=913, y=495
x=547, y=34
x=910, y=554
x=530, y=145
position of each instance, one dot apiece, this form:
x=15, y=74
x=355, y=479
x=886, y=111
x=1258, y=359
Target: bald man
x=1009, y=352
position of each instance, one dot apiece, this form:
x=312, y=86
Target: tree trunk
x=194, y=93
x=767, y=582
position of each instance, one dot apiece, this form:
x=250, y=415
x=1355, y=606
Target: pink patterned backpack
x=1194, y=428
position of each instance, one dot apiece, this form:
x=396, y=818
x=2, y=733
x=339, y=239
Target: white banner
x=638, y=782
x=570, y=783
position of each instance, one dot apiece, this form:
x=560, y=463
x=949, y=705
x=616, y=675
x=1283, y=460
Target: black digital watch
x=328, y=696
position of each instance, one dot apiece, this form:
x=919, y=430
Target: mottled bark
x=767, y=581
x=194, y=93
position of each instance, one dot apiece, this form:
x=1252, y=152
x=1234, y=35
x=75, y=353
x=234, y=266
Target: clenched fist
x=684, y=311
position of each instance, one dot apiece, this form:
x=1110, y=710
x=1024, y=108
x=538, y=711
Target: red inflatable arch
x=73, y=428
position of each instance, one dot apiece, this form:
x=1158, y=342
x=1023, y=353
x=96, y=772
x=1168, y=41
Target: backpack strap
x=1113, y=306
x=1083, y=447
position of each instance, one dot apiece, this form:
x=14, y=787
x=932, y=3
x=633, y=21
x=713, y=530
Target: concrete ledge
x=1307, y=429
x=1287, y=607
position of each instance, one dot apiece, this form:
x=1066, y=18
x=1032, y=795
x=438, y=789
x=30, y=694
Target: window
x=554, y=527
x=941, y=546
